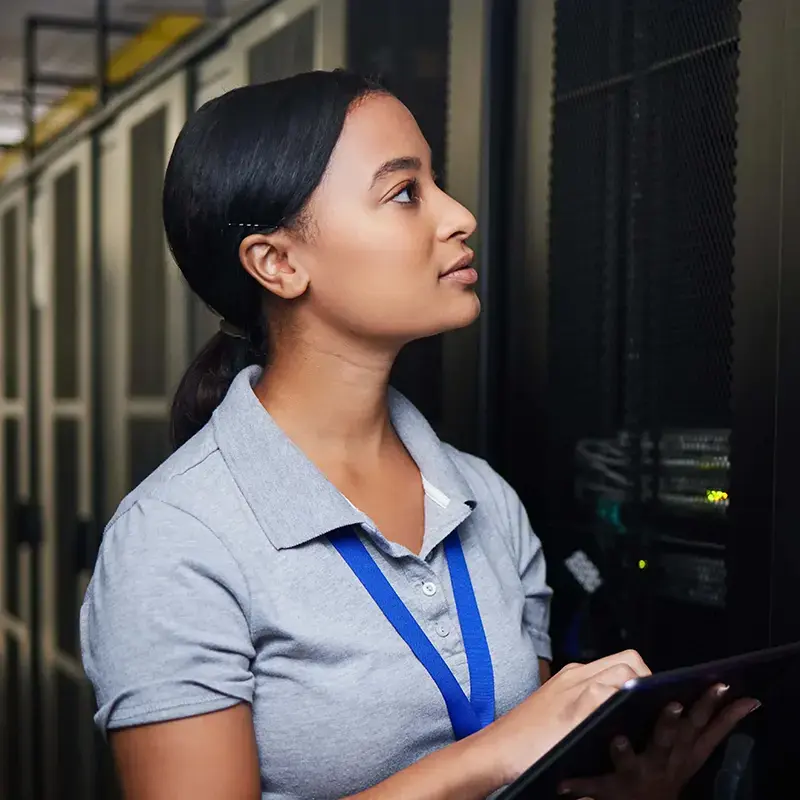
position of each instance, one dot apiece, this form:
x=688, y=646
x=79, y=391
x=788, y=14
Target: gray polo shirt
x=216, y=584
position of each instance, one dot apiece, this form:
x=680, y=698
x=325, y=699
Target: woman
x=299, y=602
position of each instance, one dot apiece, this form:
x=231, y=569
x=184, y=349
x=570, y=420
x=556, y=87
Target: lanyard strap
x=467, y=716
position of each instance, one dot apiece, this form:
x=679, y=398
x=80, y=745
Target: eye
x=408, y=195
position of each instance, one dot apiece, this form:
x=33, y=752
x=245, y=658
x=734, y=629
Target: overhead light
x=11, y=134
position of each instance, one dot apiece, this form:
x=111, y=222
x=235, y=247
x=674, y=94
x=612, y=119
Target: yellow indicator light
x=716, y=496
x=642, y=564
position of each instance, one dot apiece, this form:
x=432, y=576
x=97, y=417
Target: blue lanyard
x=467, y=715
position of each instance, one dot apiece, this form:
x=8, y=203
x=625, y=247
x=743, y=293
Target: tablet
x=767, y=675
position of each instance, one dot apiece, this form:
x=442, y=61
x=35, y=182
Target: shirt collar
x=291, y=499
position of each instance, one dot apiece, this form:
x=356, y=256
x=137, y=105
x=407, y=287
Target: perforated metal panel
x=69, y=758
x=9, y=260
x=12, y=713
x=65, y=281
x=681, y=30
x=67, y=574
x=593, y=44
x=148, y=303
x=689, y=213
x=148, y=445
x=587, y=241
x=642, y=213
x=11, y=456
x=641, y=256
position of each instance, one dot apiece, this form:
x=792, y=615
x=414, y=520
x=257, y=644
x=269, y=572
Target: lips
x=463, y=264
x=466, y=276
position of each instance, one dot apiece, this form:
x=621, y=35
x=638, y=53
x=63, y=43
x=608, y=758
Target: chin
x=462, y=314
x=450, y=316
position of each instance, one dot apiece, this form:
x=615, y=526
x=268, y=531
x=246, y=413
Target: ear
x=267, y=257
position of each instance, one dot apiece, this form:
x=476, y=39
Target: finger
x=629, y=657
x=693, y=723
x=592, y=697
x=587, y=787
x=623, y=757
x=701, y=712
x=575, y=673
x=665, y=732
x=722, y=725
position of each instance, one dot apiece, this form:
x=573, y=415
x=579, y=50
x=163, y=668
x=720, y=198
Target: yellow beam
x=163, y=33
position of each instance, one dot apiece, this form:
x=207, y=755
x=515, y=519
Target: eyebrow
x=396, y=165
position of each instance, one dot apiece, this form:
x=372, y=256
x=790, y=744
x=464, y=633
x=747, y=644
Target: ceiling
x=65, y=52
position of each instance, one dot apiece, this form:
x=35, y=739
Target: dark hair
x=244, y=162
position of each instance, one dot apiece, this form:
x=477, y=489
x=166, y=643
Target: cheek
x=378, y=276
x=395, y=244
x=378, y=264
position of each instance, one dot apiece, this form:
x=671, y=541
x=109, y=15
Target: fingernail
x=620, y=743
x=675, y=710
x=722, y=690
x=756, y=705
x=564, y=789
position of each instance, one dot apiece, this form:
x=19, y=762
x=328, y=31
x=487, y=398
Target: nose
x=456, y=221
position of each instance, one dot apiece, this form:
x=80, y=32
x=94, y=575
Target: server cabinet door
x=62, y=259
x=15, y=590
x=145, y=306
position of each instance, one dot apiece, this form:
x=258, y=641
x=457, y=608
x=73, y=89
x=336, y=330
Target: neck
x=330, y=398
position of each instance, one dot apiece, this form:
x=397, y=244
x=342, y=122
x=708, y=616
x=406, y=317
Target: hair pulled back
x=245, y=162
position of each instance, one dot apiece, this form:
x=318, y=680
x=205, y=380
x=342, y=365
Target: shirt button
x=429, y=589
x=443, y=630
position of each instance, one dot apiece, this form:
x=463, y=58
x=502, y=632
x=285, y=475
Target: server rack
x=653, y=295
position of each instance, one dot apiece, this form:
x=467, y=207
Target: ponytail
x=207, y=380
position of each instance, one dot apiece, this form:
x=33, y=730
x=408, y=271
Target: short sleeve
x=164, y=623
x=532, y=572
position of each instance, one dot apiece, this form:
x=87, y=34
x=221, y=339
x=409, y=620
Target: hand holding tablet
x=663, y=747
x=557, y=707
x=681, y=743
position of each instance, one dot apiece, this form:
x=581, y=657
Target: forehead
x=377, y=129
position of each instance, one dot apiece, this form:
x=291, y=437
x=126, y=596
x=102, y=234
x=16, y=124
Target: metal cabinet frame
x=17, y=626
x=51, y=411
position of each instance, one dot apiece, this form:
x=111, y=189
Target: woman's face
x=385, y=258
